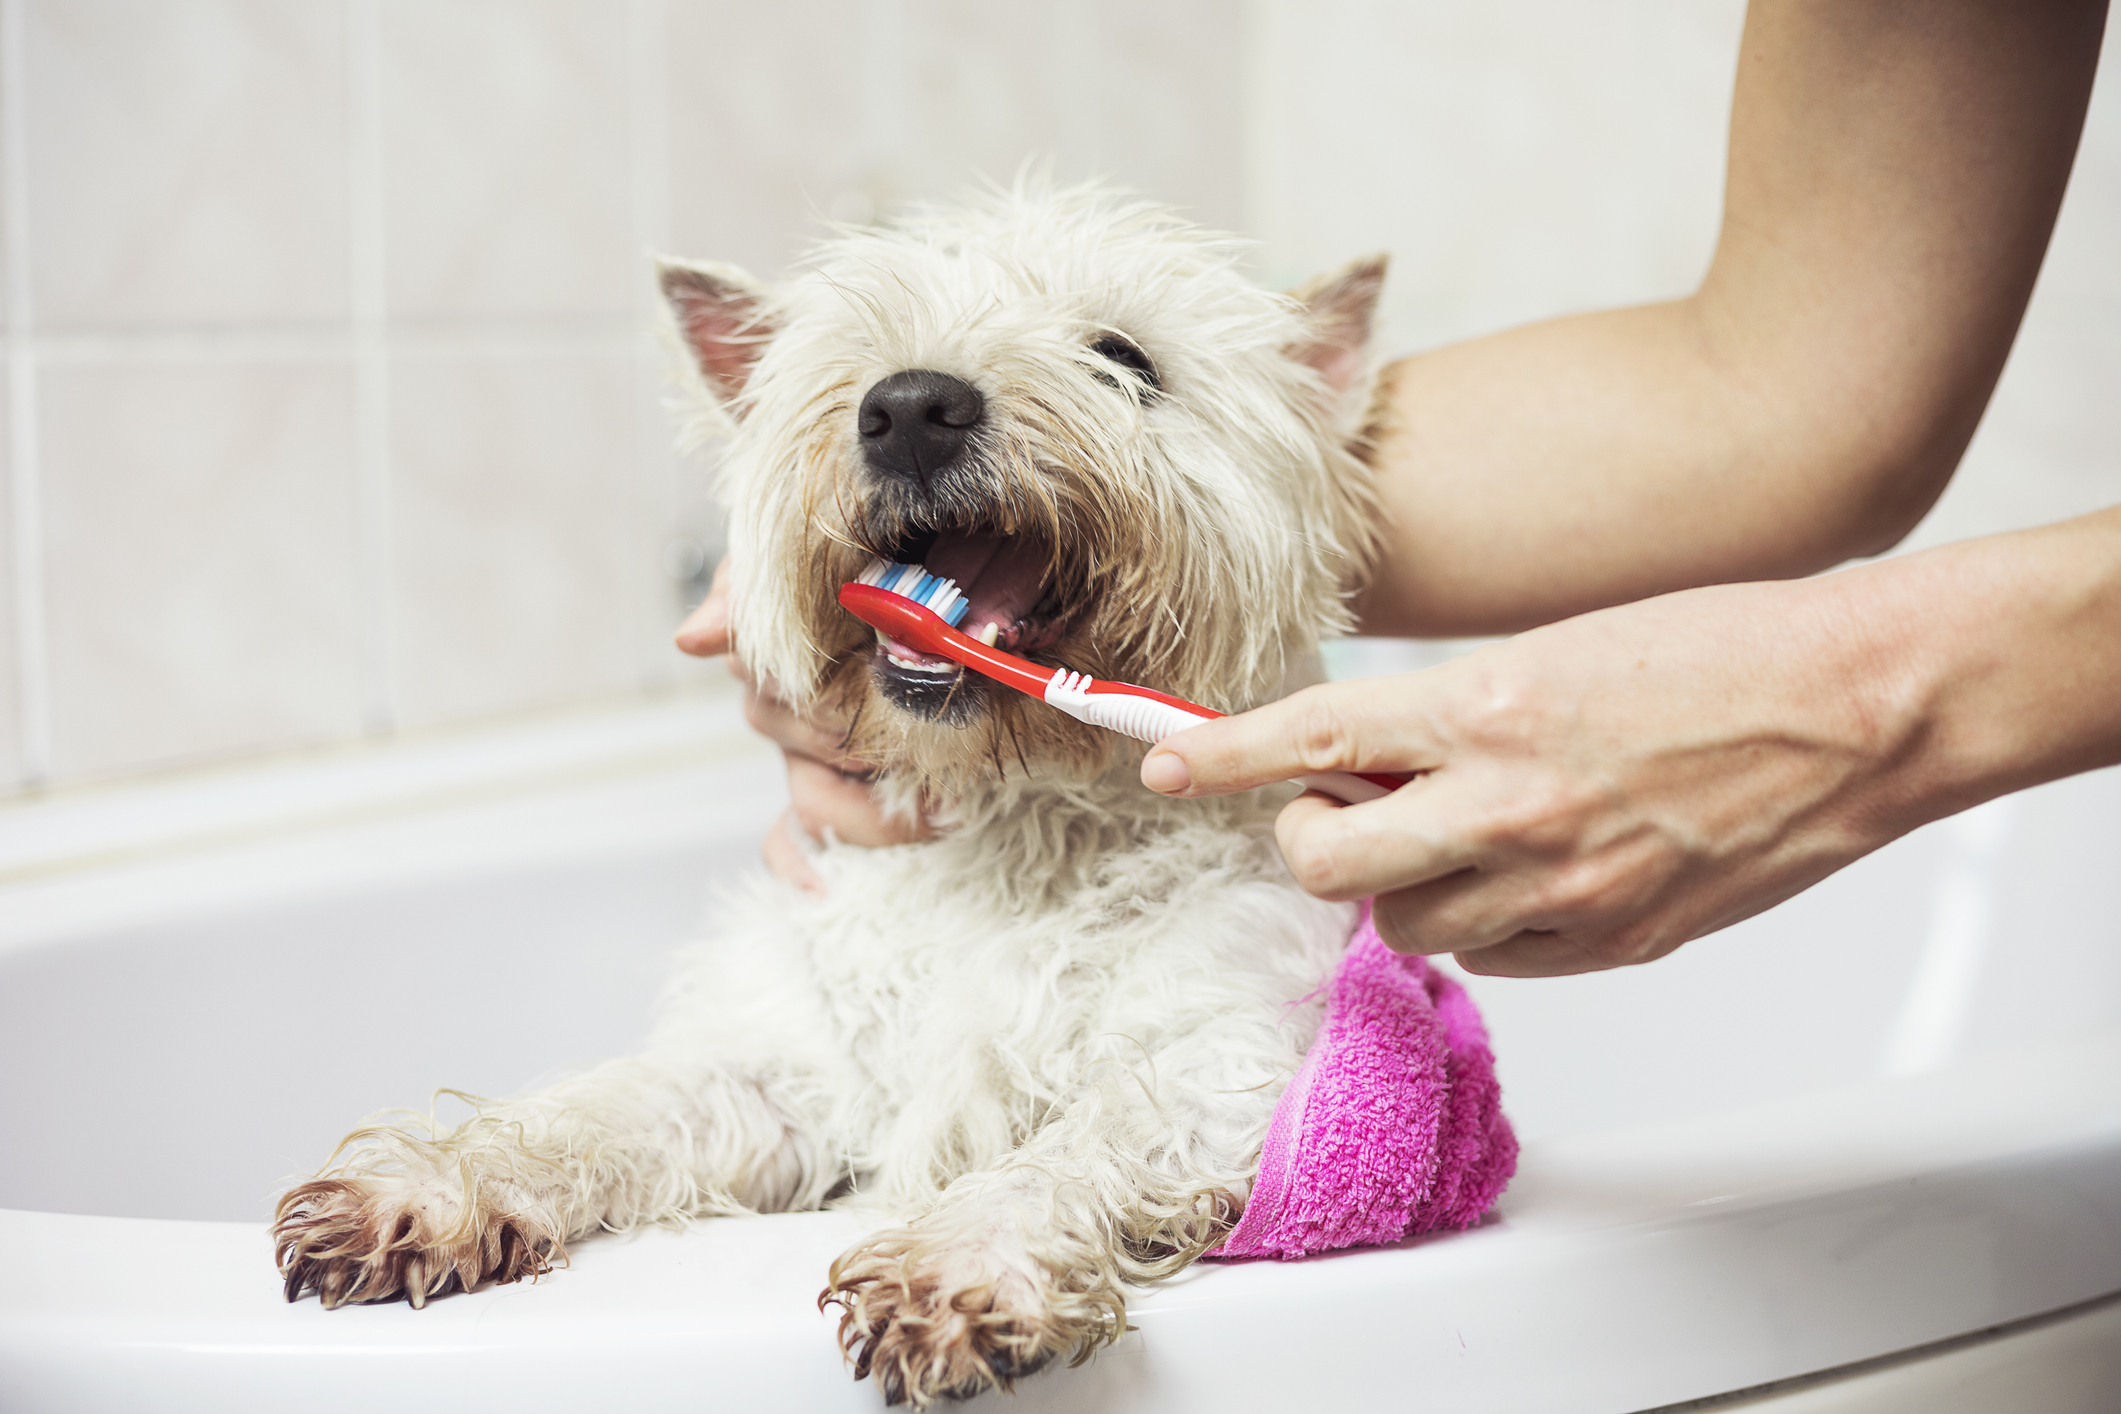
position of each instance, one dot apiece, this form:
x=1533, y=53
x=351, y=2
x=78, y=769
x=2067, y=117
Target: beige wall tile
x=783, y=114
x=1168, y=104
x=986, y=87
x=1145, y=96
x=186, y=161
x=517, y=569
x=506, y=158
x=199, y=561
x=1518, y=161
x=765, y=125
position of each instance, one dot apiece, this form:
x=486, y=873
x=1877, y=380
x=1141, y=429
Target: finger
x=827, y=800
x=787, y=859
x=705, y=631
x=799, y=732
x=1460, y=913
x=1407, y=838
x=1378, y=724
x=1535, y=954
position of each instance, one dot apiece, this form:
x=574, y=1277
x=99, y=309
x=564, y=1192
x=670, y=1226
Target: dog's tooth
x=988, y=634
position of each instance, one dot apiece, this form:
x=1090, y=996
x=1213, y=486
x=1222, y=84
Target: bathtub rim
x=1669, y=1262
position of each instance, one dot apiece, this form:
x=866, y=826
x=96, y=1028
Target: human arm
x=1604, y=789
x=1894, y=172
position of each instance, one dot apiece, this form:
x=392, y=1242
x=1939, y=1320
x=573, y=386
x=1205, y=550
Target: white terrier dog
x=1047, y=1042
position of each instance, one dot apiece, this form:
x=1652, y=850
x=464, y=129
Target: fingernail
x=1165, y=772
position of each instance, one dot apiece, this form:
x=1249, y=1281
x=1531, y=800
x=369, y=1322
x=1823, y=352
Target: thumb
x=1372, y=725
x=705, y=632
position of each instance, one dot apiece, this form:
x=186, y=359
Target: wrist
x=1992, y=665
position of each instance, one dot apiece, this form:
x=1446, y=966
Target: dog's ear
x=1336, y=342
x=721, y=317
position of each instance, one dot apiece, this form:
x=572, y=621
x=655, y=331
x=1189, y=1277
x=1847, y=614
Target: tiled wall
x=329, y=404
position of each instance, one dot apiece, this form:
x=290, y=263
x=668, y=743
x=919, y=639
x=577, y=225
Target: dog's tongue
x=1001, y=576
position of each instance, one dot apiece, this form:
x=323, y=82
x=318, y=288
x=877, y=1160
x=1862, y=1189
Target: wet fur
x=1043, y=1047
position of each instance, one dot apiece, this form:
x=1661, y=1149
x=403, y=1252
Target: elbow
x=1871, y=412
x=1899, y=478
x=1877, y=448
x=1888, y=517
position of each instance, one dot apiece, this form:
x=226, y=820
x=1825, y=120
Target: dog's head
x=1135, y=462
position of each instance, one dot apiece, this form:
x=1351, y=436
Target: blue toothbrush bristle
x=931, y=591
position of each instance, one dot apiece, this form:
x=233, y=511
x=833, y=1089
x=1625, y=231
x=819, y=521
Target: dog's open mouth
x=1011, y=588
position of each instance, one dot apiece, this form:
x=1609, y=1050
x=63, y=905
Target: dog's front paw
x=934, y=1320
x=380, y=1238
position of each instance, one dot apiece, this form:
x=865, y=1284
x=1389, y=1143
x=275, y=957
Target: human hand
x=1596, y=792
x=828, y=789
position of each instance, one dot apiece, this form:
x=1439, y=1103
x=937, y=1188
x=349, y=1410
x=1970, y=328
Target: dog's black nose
x=915, y=422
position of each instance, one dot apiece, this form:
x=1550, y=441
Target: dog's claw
x=370, y=1239
x=922, y=1338
x=514, y=1255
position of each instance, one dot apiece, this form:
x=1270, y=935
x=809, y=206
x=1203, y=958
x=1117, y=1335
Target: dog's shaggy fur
x=1046, y=1043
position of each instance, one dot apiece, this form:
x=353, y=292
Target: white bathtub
x=1879, y=1128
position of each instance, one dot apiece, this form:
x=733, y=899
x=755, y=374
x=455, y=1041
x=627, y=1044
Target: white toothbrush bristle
x=933, y=592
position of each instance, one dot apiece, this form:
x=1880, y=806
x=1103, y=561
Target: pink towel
x=1393, y=1125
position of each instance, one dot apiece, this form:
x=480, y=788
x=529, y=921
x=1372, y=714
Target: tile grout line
x=650, y=488
x=373, y=548
x=25, y=470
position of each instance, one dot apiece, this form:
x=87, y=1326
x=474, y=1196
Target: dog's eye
x=1122, y=351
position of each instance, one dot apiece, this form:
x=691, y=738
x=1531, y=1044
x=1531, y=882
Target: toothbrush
x=923, y=610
